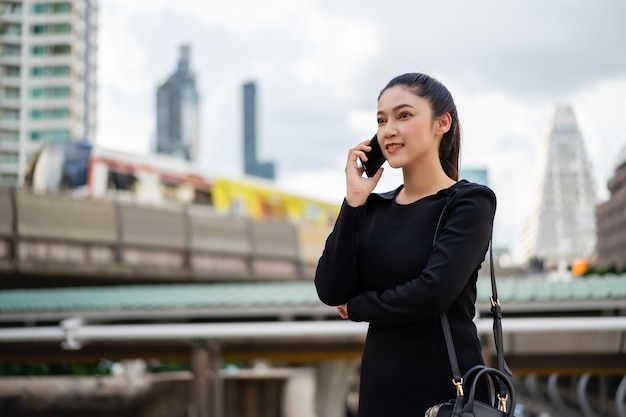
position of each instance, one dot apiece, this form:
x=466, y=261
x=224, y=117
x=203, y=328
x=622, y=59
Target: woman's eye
x=403, y=115
x=381, y=121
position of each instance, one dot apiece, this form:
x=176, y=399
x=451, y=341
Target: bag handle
x=507, y=395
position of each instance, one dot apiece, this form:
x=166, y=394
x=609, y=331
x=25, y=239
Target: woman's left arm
x=459, y=249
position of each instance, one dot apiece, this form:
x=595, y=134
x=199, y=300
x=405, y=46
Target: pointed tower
x=177, y=119
x=561, y=225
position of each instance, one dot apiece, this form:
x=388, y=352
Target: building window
x=9, y=157
x=50, y=71
x=12, y=8
x=50, y=135
x=11, y=92
x=9, y=114
x=11, y=29
x=51, y=29
x=203, y=197
x=9, y=179
x=61, y=49
x=10, y=50
x=50, y=92
x=12, y=71
x=121, y=181
x=52, y=8
x=61, y=113
x=9, y=136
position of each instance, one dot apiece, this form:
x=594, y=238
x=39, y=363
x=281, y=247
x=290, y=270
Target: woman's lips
x=392, y=147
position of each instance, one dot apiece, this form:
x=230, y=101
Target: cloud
x=530, y=48
x=319, y=66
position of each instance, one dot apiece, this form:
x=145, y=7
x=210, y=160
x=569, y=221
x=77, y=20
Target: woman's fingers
x=358, y=188
x=343, y=311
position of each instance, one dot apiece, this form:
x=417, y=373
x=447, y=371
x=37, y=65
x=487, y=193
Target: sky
x=320, y=64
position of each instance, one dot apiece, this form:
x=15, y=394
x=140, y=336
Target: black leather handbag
x=465, y=404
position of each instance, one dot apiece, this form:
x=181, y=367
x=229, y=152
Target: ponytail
x=450, y=150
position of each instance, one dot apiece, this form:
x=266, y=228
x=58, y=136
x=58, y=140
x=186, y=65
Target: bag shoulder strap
x=495, y=310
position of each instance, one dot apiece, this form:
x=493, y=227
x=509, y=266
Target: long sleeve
x=336, y=274
x=457, y=254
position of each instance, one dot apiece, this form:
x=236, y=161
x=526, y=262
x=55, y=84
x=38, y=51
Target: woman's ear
x=443, y=124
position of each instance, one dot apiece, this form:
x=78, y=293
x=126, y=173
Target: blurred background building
x=611, y=220
x=477, y=175
x=561, y=225
x=251, y=164
x=177, y=112
x=47, y=78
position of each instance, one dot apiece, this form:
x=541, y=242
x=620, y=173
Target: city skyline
x=321, y=66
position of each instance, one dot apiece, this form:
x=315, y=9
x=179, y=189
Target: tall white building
x=561, y=225
x=47, y=78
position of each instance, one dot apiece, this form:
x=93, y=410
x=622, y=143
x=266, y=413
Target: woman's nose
x=389, y=130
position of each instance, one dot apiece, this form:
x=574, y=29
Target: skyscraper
x=251, y=165
x=611, y=220
x=47, y=78
x=561, y=225
x=177, y=112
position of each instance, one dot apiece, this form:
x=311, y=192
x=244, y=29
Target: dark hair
x=441, y=101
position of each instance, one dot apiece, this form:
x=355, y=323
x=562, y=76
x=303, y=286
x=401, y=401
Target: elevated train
x=82, y=170
x=86, y=213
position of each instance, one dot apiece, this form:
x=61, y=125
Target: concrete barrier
x=216, y=233
x=59, y=234
x=275, y=250
x=60, y=229
x=219, y=244
x=152, y=238
x=150, y=227
x=63, y=218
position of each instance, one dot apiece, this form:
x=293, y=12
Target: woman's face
x=406, y=130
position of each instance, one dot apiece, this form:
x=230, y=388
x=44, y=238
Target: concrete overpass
x=86, y=280
x=283, y=325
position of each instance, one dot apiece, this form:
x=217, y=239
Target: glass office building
x=47, y=78
x=177, y=112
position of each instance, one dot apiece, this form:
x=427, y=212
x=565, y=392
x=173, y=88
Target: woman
x=383, y=265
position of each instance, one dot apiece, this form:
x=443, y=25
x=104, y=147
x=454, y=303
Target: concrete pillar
x=333, y=380
x=198, y=400
x=215, y=379
x=206, y=399
x=299, y=394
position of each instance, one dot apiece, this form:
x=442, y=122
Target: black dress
x=380, y=259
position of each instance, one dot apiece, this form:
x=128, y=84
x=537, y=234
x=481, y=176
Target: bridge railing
x=59, y=234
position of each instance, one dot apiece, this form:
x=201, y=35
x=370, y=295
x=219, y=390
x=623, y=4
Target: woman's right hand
x=358, y=187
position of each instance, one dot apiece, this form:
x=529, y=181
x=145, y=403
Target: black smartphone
x=375, y=158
